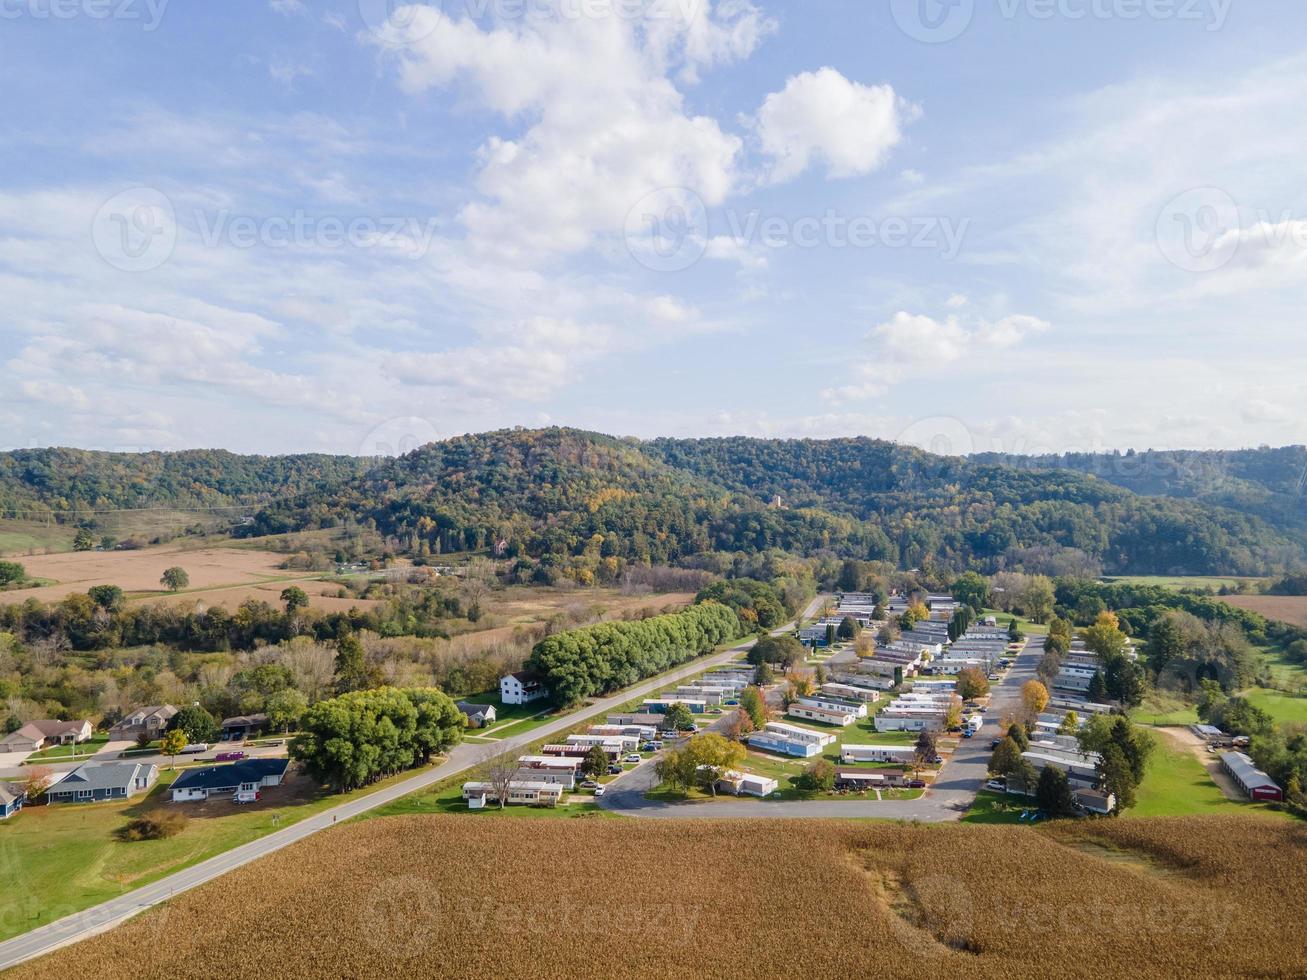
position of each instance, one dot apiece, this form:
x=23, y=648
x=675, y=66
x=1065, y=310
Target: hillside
x=559, y=496
x=1265, y=483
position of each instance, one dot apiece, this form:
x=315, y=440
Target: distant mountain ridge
x=566, y=495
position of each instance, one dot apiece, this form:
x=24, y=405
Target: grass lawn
x=994, y=808
x=447, y=797
x=1162, y=709
x=1286, y=709
x=511, y=719
x=1285, y=672
x=58, y=752
x=1176, y=784
x=1025, y=625
x=63, y=858
x=1214, y=583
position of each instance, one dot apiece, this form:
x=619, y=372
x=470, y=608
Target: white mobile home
x=877, y=753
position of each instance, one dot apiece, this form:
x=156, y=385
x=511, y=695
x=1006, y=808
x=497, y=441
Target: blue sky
x=1017, y=225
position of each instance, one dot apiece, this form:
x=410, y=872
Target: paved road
x=948, y=798
x=83, y=925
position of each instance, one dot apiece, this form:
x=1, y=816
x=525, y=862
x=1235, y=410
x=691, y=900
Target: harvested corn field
x=451, y=896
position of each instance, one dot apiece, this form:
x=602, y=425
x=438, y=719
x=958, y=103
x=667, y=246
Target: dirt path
x=1187, y=740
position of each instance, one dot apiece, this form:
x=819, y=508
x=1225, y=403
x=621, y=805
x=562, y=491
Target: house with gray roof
x=98, y=782
x=477, y=715
x=40, y=734
x=12, y=798
x=151, y=721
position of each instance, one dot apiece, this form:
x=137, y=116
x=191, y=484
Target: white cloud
x=823, y=116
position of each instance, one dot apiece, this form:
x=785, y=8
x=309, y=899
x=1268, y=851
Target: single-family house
x=12, y=798
x=42, y=734
x=151, y=722
x=96, y=782
x=241, y=727
x=477, y=715
x=243, y=781
x=522, y=687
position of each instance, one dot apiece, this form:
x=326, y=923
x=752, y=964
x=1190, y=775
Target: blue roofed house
x=243, y=781
x=96, y=782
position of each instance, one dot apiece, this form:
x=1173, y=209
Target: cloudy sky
x=351, y=226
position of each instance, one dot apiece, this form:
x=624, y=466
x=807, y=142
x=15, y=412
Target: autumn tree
x=754, y=705
x=1034, y=696
x=972, y=683
x=172, y=744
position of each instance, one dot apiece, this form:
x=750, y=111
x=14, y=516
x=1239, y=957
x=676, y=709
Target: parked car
x=615, y=770
x=195, y=748
x=649, y=747
x=633, y=757
x=915, y=784
x=229, y=757
x=995, y=743
x=588, y=784
x=599, y=791
x=998, y=785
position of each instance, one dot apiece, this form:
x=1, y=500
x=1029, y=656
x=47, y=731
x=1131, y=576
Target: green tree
x=83, y=541
x=1018, y=735
x=678, y=718
x=783, y=651
x=172, y=744
x=1097, y=692
x=11, y=572
x=352, y=672
x=1006, y=757
x=1105, y=637
x=816, y=778
x=848, y=629
x=108, y=597
x=1053, y=793
x=285, y=708
x=972, y=589
x=175, y=579
x=1070, y=724
x=295, y=598
x=1037, y=599
x=1165, y=645
x=196, y=724
x=925, y=749
x=1118, y=779
x=1014, y=634
x=595, y=763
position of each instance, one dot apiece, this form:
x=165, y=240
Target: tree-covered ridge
x=1266, y=483
x=961, y=510
x=66, y=483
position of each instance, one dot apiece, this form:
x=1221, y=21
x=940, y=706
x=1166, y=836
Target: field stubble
x=444, y=896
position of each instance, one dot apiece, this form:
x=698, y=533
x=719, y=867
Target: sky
x=354, y=226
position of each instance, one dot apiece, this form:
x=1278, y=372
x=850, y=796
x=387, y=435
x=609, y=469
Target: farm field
x=55, y=860
x=139, y=571
x=448, y=896
x=1286, y=608
x=1214, y=582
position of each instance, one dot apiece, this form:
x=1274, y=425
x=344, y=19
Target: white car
x=633, y=757
x=997, y=786
x=599, y=791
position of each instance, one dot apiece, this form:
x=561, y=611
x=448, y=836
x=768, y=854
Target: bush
x=157, y=825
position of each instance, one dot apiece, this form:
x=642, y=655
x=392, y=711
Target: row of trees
x=357, y=738
x=597, y=659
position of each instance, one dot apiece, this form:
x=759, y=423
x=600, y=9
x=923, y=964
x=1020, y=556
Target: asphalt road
x=83, y=925
x=949, y=797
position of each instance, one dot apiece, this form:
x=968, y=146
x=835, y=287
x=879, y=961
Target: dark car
x=615, y=770
x=915, y=784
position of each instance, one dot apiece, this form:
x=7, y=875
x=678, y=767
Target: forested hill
x=1266, y=483
x=70, y=484
x=585, y=500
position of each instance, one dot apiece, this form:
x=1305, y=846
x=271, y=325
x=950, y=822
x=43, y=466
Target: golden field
x=459, y=896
